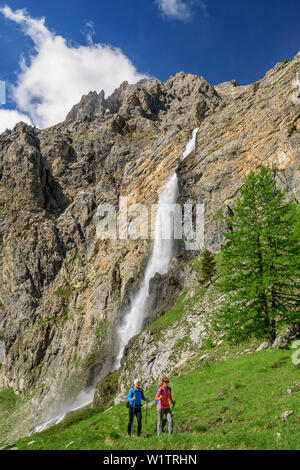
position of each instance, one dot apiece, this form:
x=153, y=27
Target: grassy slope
x=7, y=400
x=15, y=415
x=236, y=404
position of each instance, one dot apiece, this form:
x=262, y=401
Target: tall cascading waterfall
x=158, y=263
x=162, y=253
x=163, y=250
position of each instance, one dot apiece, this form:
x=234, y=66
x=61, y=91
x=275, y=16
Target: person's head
x=137, y=383
x=165, y=382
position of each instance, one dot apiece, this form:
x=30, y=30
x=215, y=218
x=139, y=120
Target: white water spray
x=84, y=398
x=190, y=145
x=159, y=261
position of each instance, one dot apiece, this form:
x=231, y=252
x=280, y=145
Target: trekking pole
x=146, y=417
x=133, y=412
x=146, y=411
x=132, y=418
x=172, y=413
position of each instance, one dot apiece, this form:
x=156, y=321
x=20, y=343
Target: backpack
x=128, y=404
x=167, y=392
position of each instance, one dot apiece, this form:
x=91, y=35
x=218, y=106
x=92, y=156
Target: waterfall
x=84, y=398
x=190, y=145
x=163, y=250
x=158, y=263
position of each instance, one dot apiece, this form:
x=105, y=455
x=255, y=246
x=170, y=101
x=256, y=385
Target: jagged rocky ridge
x=62, y=290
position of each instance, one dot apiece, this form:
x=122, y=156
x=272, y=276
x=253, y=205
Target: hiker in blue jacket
x=135, y=397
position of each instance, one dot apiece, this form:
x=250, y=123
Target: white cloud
x=58, y=74
x=175, y=9
x=8, y=119
x=203, y=7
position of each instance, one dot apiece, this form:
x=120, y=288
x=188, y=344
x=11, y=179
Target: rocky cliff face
x=62, y=289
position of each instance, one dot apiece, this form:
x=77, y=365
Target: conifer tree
x=208, y=266
x=260, y=262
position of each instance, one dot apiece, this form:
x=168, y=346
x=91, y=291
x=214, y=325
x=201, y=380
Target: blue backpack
x=167, y=392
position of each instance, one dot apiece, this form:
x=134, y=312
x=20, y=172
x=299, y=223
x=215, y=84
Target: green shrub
x=62, y=293
x=200, y=428
x=101, y=327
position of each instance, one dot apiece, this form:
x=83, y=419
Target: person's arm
x=130, y=393
x=158, y=395
x=143, y=396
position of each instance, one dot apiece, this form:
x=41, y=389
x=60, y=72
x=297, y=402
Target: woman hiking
x=162, y=397
x=135, y=397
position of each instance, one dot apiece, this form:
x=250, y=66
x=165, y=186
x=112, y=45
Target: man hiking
x=162, y=397
x=135, y=397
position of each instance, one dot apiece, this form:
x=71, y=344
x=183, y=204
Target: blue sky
x=218, y=39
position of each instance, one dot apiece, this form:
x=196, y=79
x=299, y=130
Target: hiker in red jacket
x=162, y=397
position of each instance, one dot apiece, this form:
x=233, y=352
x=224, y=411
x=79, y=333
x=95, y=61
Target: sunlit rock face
x=62, y=289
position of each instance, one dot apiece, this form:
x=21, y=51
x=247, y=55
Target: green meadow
x=234, y=400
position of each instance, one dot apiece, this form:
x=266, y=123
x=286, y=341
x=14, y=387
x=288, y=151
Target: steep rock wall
x=62, y=290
